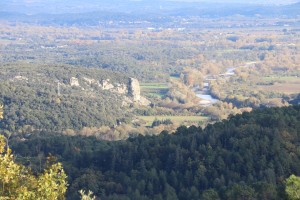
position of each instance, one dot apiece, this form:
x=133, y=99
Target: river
x=205, y=96
x=204, y=93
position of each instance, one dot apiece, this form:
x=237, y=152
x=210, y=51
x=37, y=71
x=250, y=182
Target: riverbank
x=204, y=94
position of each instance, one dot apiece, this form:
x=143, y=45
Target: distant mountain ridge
x=144, y=7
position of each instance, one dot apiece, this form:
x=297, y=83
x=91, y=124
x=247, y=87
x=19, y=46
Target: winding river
x=204, y=93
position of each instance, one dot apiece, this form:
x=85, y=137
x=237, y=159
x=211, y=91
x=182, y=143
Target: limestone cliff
x=121, y=88
x=74, y=82
x=130, y=90
x=106, y=85
x=134, y=89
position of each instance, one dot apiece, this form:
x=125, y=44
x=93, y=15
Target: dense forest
x=247, y=156
x=44, y=97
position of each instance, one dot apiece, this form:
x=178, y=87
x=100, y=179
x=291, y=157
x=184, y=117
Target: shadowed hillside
x=248, y=155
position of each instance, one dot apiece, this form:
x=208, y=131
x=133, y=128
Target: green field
x=282, y=84
x=178, y=119
x=154, y=89
x=282, y=78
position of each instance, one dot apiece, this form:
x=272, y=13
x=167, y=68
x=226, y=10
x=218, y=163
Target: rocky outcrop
x=21, y=78
x=90, y=81
x=121, y=89
x=74, y=82
x=106, y=85
x=126, y=101
x=134, y=89
x=131, y=90
x=144, y=102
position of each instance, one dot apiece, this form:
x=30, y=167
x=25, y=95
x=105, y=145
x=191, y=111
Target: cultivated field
x=154, y=89
x=175, y=119
x=284, y=84
x=286, y=88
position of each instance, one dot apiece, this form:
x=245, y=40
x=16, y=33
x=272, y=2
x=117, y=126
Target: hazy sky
x=243, y=1
x=228, y=1
x=60, y=6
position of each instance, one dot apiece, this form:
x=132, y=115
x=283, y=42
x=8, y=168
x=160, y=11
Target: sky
x=227, y=1
x=279, y=2
x=61, y=6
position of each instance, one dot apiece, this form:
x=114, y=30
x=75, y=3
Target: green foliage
x=36, y=104
x=245, y=157
x=241, y=192
x=292, y=187
x=157, y=122
x=17, y=182
x=210, y=194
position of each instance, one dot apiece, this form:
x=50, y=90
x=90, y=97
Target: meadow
x=154, y=89
x=282, y=84
x=174, y=119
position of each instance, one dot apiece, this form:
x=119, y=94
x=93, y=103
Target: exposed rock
x=90, y=81
x=74, y=82
x=106, y=85
x=131, y=90
x=20, y=78
x=134, y=89
x=144, y=102
x=121, y=89
x=127, y=101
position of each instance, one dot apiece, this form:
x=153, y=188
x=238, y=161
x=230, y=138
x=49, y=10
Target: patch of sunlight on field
x=154, y=89
x=282, y=78
x=286, y=88
x=178, y=119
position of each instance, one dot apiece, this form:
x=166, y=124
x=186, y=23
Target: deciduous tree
x=17, y=182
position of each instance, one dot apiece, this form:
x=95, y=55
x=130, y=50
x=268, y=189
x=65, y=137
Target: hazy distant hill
x=125, y=10
x=293, y=9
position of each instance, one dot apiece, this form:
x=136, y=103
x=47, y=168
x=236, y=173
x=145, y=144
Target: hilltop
x=154, y=13
x=56, y=98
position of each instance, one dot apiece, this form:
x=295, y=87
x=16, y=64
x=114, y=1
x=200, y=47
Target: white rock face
x=131, y=90
x=106, y=85
x=20, y=78
x=134, y=89
x=127, y=101
x=90, y=81
x=121, y=89
x=74, y=82
x=144, y=102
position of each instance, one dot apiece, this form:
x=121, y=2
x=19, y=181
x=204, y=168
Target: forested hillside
x=150, y=99
x=57, y=98
x=247, y=156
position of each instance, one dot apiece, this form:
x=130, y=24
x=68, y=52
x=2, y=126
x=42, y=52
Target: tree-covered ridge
x=43, y=97
x=247, y=156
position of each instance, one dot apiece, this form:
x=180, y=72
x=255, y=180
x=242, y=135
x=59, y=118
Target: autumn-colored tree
x=17, y=182
x=292, y=187
x=87, y=196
